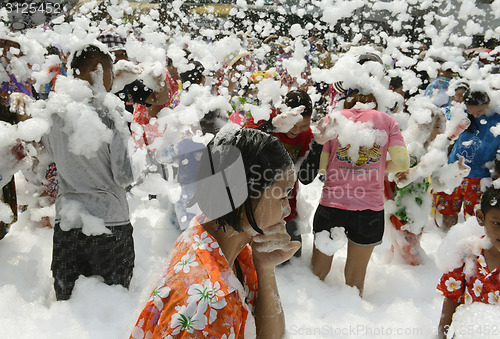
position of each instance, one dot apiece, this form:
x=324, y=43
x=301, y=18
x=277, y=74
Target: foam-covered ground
x=400, y=301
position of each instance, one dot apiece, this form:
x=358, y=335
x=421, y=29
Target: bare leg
x=355, y=266
x=449, y=221
x=321, y=263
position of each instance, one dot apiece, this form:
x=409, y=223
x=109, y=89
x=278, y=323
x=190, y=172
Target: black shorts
x=364, y=228
x=110, y=256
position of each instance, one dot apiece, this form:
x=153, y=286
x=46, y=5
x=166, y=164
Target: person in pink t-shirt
x=353, y=192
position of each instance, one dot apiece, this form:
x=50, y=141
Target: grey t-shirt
x=92, y=187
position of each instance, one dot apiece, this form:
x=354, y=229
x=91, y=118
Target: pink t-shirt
x=359, y=185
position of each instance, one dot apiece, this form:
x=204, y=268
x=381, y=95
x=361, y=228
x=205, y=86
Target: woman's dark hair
x=476, y=98
x=194, y=75
x=264, y=159
x=490, y=199
x=298, y=98
x=84, y=58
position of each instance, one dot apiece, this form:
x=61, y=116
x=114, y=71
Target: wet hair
x=194, y=75
x=264, y=158
x=490, y=199
x=213, y=121
x=298, y=98
x=462, y=85
x=6, y=115
x=476, y=98
x=90, y=54
x=52, y=50
x=353, y=95
x=396, y=82
x=369, y=57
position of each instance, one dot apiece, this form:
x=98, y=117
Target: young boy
x=478, y=279
x=93, y=234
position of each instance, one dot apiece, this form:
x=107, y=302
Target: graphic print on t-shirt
x=469, y=148
x=366, y=155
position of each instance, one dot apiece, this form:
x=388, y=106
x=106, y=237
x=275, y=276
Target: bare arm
x=323, y=162
x=449, y=307
x=269, y=316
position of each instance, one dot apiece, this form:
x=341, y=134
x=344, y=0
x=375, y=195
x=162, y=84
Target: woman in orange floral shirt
x=216, y=284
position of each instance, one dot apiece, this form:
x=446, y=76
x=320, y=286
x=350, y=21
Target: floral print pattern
x=472, y=282
x=208, y=295
x=494, y=298
x=199, y=295
x=452, y=285
x=185, y=263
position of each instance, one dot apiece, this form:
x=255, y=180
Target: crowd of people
x=397, y=136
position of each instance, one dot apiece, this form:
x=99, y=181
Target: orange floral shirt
x=199, y=296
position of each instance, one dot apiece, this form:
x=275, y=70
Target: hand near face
x=273, y=247
x=323, y=131
x=288, y=117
